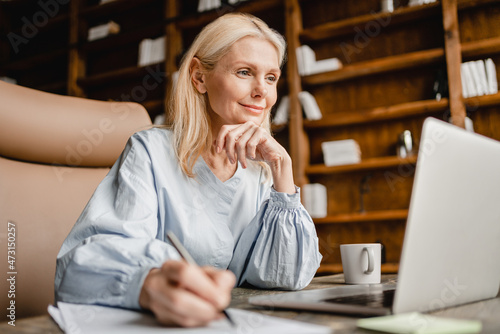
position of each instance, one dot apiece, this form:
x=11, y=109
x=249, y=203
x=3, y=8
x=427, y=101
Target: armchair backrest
x=54, y=151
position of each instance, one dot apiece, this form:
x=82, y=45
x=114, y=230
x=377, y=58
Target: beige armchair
x=54, y=151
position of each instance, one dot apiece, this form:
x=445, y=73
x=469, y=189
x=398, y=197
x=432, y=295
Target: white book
x=315, y=200
x=202, y=5
x=471, y=87
x=310, y=106
x=300, y=61
x=145, y=51
x=482, y=75
x=326, y=65
x=480, y=89
x=465, y=91
x=281, y=116
x=341, y=152
x=103, y=30
x=491, y=74
x=157, y=50
x=306, y=58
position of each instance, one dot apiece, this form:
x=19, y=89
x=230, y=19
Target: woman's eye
x=272, y=78
x=244, y=72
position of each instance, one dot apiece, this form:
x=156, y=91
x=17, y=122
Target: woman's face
x=242, y=85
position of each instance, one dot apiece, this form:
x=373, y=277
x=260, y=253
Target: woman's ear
x=197, y=75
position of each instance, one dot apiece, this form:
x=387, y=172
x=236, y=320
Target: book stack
x=151, y=51
x=341, y=152
x=309, y=106
x=308, y=65
x=315, y=199
x=479, y=78
x=103, y=30
x=205, y=5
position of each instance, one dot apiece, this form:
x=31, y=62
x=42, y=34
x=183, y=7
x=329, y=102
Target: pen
x=189, y=259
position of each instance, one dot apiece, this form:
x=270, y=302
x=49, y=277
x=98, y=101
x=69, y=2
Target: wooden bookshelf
x=364, y=165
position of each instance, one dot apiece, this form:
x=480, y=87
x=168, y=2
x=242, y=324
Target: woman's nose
x=260, y=89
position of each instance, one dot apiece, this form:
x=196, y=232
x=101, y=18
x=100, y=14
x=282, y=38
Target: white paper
x=92, y=319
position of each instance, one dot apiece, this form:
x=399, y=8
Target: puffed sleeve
x=279, y=247
x=112, y=247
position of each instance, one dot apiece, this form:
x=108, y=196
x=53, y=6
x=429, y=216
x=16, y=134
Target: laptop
x=452, y=238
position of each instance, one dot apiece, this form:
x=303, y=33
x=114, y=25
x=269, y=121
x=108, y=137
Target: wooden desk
x=487, y=311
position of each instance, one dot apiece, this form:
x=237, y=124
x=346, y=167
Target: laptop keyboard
x=378, y=299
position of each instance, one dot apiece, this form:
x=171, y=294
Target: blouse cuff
x=284, y=200
x=135, y=286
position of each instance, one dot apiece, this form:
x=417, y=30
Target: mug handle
x=371, y=259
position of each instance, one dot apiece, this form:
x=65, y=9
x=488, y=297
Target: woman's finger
x=242, y=142
x=231, y=137
x=172, y=304
x=195, y=280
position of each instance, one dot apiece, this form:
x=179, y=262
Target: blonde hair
x=187, y=110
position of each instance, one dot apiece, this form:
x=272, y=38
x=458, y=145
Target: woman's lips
x=253, y=108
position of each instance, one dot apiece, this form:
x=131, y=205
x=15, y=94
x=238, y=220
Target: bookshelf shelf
x=466, y=4
x=377, y=66
x=197, y=20
x=364, y=165
x=379, y=114
x=113, y=7
x=345, y=27
x=35, y=60
x=123, y=73
x=480, y=48
x=125, y=38
x=386, y=268
x=483, y=101
x=371, y=216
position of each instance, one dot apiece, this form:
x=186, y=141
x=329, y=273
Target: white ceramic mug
x=361, y=263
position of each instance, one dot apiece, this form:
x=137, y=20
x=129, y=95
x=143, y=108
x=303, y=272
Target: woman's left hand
x=250, y=141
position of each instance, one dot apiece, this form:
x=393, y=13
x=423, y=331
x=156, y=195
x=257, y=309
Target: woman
x=217, y=179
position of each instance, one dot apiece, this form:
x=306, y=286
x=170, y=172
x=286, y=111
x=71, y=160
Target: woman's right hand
x=186, y=295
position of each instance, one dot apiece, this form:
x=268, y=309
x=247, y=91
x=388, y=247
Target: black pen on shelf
x=189, y=259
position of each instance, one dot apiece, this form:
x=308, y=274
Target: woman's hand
x=250, y=141
x=185, y=295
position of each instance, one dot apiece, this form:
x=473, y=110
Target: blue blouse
x=264, y=237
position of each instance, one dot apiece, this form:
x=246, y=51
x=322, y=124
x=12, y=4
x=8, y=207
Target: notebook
x=451, y=244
